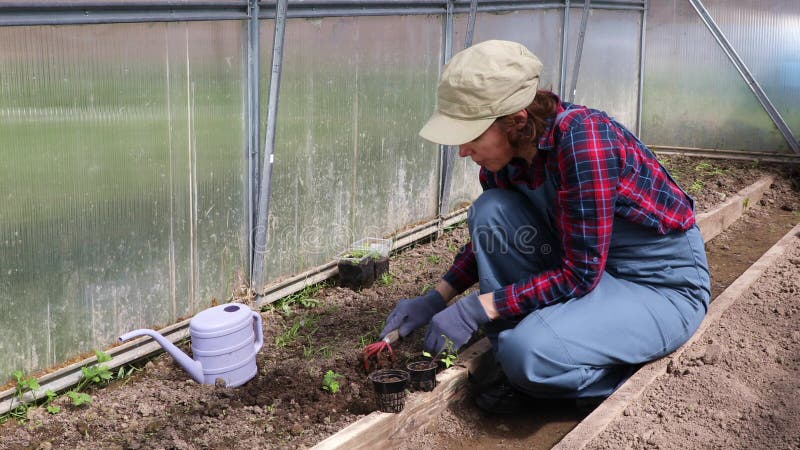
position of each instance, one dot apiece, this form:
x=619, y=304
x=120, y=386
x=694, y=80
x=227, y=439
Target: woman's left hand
x=457, y=322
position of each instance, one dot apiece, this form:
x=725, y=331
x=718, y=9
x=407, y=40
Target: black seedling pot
x=381, y=266
x=390, y=389
x=423, y=375
x=357, y=273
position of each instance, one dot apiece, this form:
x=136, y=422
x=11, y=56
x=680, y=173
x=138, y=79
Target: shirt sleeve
x=584, y=206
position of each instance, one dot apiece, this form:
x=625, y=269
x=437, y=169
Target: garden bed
x=736, y=385
x=306, y=335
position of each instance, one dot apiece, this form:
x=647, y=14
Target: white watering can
x=225, y=340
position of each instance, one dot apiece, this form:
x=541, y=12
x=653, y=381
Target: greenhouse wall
x=122, y=182
x=131, y=178
x=695, y=98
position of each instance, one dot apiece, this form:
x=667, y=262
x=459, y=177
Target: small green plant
x=452, y=247
x=370, y=336
x=361, y=253
x=309, y=351
x=386, y=278
x=304, y=298
x=50, y=396
x=746, y=202
x=425, y=288
x=696, y=187
x=703, y=167
x=79, y=398
x=329, y=382
x=24, y=384
x=447, y=355
x=434, y=259
x=96, y=374
x=455, y=225
x=288, y=336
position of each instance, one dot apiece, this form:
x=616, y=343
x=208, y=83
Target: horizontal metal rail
x=727, y=154
x=74, y=13
x=38, y=13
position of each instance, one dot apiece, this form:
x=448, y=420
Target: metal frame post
x=752, y=83
x=562, y=83
x=576, y=66
x=446, y=152
x=265, y=185
x=473, y=11
x=640, y=95
x=253, y=122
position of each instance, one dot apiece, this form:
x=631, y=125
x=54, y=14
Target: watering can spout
x=194, y=368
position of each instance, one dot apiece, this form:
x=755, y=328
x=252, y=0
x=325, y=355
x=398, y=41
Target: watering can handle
x=259, y=332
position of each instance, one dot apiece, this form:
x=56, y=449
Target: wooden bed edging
x=594, y=424
x=714, y=222
x=384, y=430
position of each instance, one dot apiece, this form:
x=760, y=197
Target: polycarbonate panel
x=693, y=94
x=766, y=35
x=122, y=183
x=540, y=31
x=348, y=161
x=608, y=75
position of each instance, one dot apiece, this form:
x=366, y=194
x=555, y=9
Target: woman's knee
x=494, y=204
x=533, y=357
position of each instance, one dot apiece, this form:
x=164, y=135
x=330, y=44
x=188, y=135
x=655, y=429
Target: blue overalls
x=650, y=299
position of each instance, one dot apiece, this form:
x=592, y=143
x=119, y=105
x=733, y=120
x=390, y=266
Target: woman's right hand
x=412, y=313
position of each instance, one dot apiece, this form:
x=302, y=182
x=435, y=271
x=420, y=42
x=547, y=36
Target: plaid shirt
x=601, y=170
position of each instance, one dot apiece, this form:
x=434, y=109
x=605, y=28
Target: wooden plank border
x=609, y=410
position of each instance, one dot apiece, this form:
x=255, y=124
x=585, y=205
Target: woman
x=586, y=251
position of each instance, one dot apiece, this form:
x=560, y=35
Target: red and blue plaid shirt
x=601, y=170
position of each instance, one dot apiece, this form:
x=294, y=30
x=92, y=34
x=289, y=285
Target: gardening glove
x=412, y=313
x=458, y=322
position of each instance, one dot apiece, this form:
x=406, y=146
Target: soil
x=285, y=405
x=736, y=387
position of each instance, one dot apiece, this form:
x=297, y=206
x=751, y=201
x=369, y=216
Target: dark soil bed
x=312, y=333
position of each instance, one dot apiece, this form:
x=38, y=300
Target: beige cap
x=478, y=85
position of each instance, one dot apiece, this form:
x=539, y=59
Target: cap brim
x=446, y=130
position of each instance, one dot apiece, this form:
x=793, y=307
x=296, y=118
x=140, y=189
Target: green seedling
x=447, y=355
x=96, y=374
x=23, y=385
x=293, y=332
x=703, y=167
x=79, y=398
x=453, y=248
x=309, y=351
x=288, y=336
x=386, y=278
x=455, y=225
x=434, y=259
x=52, y=409
x=425, y=288
x=370, y=336
x=304, y=298
x=707, y=169
x=329, y=382
x=696, y=187
x=746, y=202
x=361, y=253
